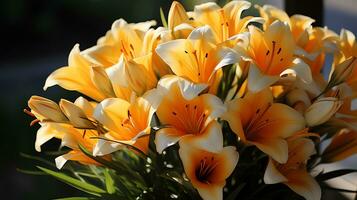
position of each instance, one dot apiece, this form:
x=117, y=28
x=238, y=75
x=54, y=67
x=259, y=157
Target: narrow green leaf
x=233, y=195
x=163, y=19
x=30, y=172
x=109, y=182
x=334, y=174
x=37, y=159
x=83, y=186
x=74, y=198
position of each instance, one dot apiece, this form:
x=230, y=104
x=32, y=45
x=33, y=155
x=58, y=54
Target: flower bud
x=177, y=15
x=343, y=70
x=102, y=81
x=321, y=110
x=45, y=109
x=75, y=115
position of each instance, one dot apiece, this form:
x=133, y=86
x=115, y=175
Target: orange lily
x=125, y=122
x=293, y=173
x=257, y=120
x=312, y=43
x=208, y=165
x=272, y=55
x=225, y=22
x=185, y=113
x=197, y=58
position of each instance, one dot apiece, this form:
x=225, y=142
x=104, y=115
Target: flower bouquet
x=215, y=104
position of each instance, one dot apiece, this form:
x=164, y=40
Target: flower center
x=191, y=119
x=257, y=122
x=205, y=169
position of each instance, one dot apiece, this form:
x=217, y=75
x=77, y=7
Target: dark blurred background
x=36, y=37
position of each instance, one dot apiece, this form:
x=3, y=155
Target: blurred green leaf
x=83, y=186
x=75, y=198
x=334, y=174
x=163, y=19
x=109, y=182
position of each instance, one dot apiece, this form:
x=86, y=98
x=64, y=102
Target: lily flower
x=293, y=173
x=184, y=113
x=198, y=57
x=272, y=53
x=343, y=145
x=125, y=122
x=136, y=74
x=76, y=76
x=208, y=165
x=312, y=43
x=258, y=121
x=225, y=22
x=123, y=39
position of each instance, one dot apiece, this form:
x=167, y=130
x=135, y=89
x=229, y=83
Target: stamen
x=84, y=133
x=29, y=113
x=35, y=121
x=278, y=51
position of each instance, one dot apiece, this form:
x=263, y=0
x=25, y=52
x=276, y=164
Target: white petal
x=204, y=32
x=116, y=73
x=211, y=140
x=257, y=81
x=272, y=175
x=164, y=138
x=104, y=147
x=301, y=70
x=190, y=90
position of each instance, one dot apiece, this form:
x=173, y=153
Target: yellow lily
x=293, y=173
x=123, y=39
x=257, y=120
x=343, y=145
x=225, y=22
x=272, y=55
x=125, y=122
x=76, y=76
x=271, y=13
x=184, y=113
x=311, y=43
x=197, y=58
x=208, y=165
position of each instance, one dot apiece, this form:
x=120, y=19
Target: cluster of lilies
x=261, y=75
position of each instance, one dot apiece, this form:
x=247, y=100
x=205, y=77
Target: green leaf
x=36, y=158
x=109, y=182
x=30, y=172
x=83, y=186
x=233, y=195
x=334, y=174
x=74, y=198
x=163, y=19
